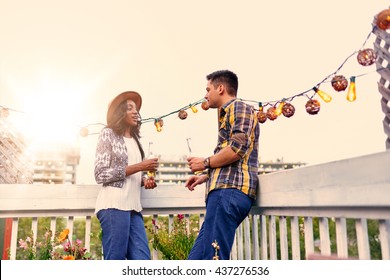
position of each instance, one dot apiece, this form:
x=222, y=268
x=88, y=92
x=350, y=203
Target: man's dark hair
x=226, y=77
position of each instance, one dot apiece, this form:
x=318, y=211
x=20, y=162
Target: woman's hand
x=150, y=164
x=149, y=183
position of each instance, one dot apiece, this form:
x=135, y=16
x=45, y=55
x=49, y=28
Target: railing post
x=309, y=240
x=362, y=239
x=264, y=242
x=273, y=255
x=247, y=238
x=324, y=236
x=384, y=236
x=283, y=237
x=341, y=238
x=255, y=236
x=14, y=238
x=295, y=243
x=88, y=225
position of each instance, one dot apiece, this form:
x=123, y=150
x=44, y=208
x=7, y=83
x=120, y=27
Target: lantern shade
x=271, y=113
x=261, y=116
x=339, y=83
x=313, y=106
x=182, y=114
x=383, y=19
x=288, y=110
x=366, y=57
x=205, y=105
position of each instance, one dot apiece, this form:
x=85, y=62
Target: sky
x=62, y=62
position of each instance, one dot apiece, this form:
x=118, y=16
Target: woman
x=119, y=164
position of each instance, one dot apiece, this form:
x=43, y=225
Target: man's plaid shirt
x=239, y=129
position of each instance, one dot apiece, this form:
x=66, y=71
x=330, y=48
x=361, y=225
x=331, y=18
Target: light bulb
x=193, y=108
x=326, y=97
x=158, y=123
x=278, y=111
x=84, y=132
x=4, y=113
x=261, y=116
x=351, y=95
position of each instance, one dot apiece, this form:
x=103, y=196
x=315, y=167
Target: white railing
x=282, y=224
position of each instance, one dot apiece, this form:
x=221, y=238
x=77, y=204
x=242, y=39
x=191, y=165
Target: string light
x=271, y=113
x=261, y=116
x=159, y=124
x=326, y=97
x=339, y=83
x=182, y=114
x=383, y=19
x=84, y=131
x=278, y=110
x=193, y=108
x=366, y=57
x=4, y=112
x=205, y=105
x=351, y=95
x=288, y=110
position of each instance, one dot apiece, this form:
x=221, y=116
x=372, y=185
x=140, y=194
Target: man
x=232, y=175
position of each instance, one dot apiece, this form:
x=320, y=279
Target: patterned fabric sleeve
x=242, y=124
x=109, y=165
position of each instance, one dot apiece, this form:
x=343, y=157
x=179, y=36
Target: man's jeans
x=225, y=210
x=124, y=235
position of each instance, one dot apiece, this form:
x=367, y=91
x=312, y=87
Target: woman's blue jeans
x=225, y=210
x=124, y=236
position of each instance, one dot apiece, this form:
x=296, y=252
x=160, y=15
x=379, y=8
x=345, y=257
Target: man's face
x=212, y=94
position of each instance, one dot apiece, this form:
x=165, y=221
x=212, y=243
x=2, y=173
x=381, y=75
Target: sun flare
x=51, y=121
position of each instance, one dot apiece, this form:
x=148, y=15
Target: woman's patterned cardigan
x=111, y=159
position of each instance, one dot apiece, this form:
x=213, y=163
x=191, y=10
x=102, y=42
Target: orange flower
x=68, y=258
x=63, y=235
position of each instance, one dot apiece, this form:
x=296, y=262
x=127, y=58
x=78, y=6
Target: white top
x=129, y=196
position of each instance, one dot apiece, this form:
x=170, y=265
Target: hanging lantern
x=271, y=113
x=339, y=83
x=205, y=105
x=313, y=106
x=4, y=112
x=182, y=114
x=261, y=116
x=84, y=132
x=383, y=19
x=366, y=57
x=288, y=110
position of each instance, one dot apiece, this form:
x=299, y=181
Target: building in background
x=15, y=157
x=177, y=171
x=56, y=166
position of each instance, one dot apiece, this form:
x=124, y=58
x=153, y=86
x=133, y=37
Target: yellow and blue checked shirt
x=239, y=129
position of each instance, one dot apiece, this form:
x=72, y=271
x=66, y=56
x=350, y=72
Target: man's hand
x=193, y=181
x=196, y=164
